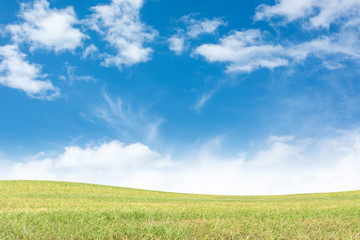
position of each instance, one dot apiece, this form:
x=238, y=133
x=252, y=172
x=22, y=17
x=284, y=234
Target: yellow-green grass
x=62, y=210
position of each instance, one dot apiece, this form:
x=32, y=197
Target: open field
x=61, y=210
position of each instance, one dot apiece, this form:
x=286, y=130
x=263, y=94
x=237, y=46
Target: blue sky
x=250, y=97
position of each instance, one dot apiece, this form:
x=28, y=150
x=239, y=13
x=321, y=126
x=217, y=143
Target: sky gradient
x=250, y=97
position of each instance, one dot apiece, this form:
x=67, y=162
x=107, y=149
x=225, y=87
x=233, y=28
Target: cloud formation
x=193, y=29
x=338, y=46
x=90, y=51
x=16, y=72
x=284, y=164
x=72, y=77
x=244, y=51
x=315, y=13
x=47, y=28
x=128, y=121
x=177, y=43
x=119, y=24
x=249, y=50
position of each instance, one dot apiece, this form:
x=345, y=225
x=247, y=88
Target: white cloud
x=205, y=97
x=273, y=139
x=244, y=52
x=90, y=51
x=279, y=151
x=176, y=44
x=119, y=24
x=203, y=100
x=342, y=45
x=128, y=121
x=194, y=28
x=204, y=26
x=281, y=166
x=43, y=27
x=133, y=165
x=72, y=77
x=109, y=163
x=16, y=72
x=317, y=13
x=247, y=51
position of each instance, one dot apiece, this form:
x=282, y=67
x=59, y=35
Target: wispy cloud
x=313, y=13
x=120, y=25
x=283, y=165
x=114, y=111
x=206, y=96
x=16, y=72
x=90, y=51
x=130, y=123
x=203, y=100
x=71, y=76
x=47, y=28
x=193, y=29
x=336, y=47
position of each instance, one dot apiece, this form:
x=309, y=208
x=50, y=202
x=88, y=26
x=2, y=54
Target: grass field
x=61, y=210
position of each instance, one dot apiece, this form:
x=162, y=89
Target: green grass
x=62, y=210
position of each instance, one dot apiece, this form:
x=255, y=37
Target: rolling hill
x=64, y=210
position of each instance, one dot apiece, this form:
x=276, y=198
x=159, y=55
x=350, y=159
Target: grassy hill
x=62, y=210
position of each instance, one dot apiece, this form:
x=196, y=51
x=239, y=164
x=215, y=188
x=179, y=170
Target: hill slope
x=62, y=210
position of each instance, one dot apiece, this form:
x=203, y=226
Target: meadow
x=63, y=210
